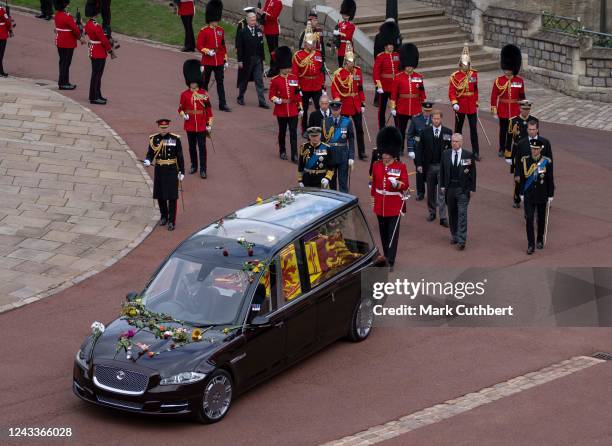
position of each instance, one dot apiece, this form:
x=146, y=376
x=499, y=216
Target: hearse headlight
x=183, y=378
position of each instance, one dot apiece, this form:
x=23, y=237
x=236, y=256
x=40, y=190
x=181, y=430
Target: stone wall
x=460, y=11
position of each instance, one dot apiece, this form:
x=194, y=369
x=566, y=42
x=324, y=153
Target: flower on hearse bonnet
x=196, y=335
x=97, y=328
x=259, y=200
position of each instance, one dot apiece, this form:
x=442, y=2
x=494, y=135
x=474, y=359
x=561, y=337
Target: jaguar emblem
x=120, y=375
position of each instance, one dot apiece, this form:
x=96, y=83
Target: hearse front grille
x=120, y=380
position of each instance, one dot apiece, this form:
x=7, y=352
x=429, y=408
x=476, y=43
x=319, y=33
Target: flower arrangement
x=246, y=245
x=282, y=200
x=252, y=267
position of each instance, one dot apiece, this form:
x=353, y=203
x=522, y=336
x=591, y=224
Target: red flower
x=162, y=328
x=250, y=252
x=225, y=253
x=150, y=354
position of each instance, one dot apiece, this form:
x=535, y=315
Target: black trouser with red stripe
x=283, y=123
x=167, y=209
x=358, y=122
x=65, y=59
x=2, y=48
x=306, y=96
x=197, y=139
x=503, y=133
x=473, y=121
x=189, y=43
x=382, y=109
x=95, y=85
x=386, y=226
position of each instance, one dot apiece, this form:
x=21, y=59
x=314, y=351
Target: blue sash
x=534, y=176
x=311, y=163
x=337, y=136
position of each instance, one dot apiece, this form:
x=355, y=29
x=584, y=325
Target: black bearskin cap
x=409, y=55
x=91, y=8
x=283, y=57
x=60, y=5
x=511, y=58
x=214, y=10
x=349, y=8
x=389, y=140
x=192, y=72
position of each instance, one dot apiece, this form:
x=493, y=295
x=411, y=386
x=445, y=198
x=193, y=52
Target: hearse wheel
x=362, y=320
x=216, y=397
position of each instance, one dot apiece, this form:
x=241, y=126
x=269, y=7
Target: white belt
x=388, y=192
x=61, y=29
x=94, y=42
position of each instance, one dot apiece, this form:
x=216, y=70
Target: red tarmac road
x=346, y=388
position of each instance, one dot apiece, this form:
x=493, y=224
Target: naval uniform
x=315, y=164
x=338, y=134
x=166, y=153
x=537, y=186
x=517, y=130
x=417, y=125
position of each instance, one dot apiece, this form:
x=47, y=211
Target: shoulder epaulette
x=177, y=136
x=474, y=70
x=547, y=158
x=152, y=135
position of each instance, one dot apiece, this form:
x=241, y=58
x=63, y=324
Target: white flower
x=167, y=333
x=241, y=239
x=97, y=328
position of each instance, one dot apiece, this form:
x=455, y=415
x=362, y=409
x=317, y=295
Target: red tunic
x=463, y=90
x=386, y=67
x=272, y=8
x=505, y=96
x=388, y=199
x=5, y=24
x=348, y=87
x=212, y=38
x=307, y=67
x=198, y=108
x=346, y=29
x=407, y=93
x=66, y=30
x=186, y=7
x=288, y=89
x=98, y=43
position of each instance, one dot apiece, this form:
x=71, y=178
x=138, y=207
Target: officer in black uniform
x=166, y=153
x=417, y=124
x=517, y=130
x=537, y=189
x=315, y=167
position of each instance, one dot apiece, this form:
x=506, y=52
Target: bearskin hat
x=91, y=8
x=283, y=57
x=60, y=5
x=389, y=140
x=409, y=55
x=511, y=58
x=192, y=72
x=349, y=8
x=214, y=10
x=389, y=34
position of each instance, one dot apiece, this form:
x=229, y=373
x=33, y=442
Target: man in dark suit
x=458, y=179
x=317, y=117
x=250, y=50
x=433, y=142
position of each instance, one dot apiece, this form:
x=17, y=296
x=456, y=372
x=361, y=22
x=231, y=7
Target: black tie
x=455, y=159
x=252, y=31
x=336, y=122
x=437, y=133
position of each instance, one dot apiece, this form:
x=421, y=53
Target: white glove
x=393, y=181
x=351, y=163
x=522, y=197
x=336, y=32
x=323, y=92
x=225, y=66
x=456, y=107
x=186, y=117
x=300, y=113
x=362, y=109
x=394, y=112
x=301, y=184
x=211, y=52
x=379, y=90
x=508, y=160
x=181, y=177
x=411, y=155
x=278, y=101
x=208, y=128
x=147, y=163
x=325, y=183
x=550, y=199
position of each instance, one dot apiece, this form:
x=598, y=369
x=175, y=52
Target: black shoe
x=530, y=250
x=283, y=156
x=420, y=197
x=461, y=246
x=262, y=105
x=163, y=221
x=477, y=157
x=170, y=226
x=500, y=153
x=444, y=222
x=453, y=241
x=67, y=87
x=48, y=18
x=98, y=102
x=187, y=50
x=193, y=170
x=294, y=159
x=240, y=101
x=225, y=108
x=3, y=74
x=431, y=217
x=41, y=16
x=103, y=99
x=540, y=245
x=516, y=205
x=363, y=157
x=203, y=174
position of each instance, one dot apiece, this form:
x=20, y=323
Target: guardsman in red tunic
x=308, y=67
x=386, y=67
x=185, y=9
x=211, y=44
x=6, y=31
x=345, y=29
x=508, y=90
x=285, y=93
x=271, y=29
x=408, y=90
x=66, y=35
x=347, y=87
x=463, y=94
x=318, y=32
x=389, y=183
x=196, y=111
x=99, y=47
